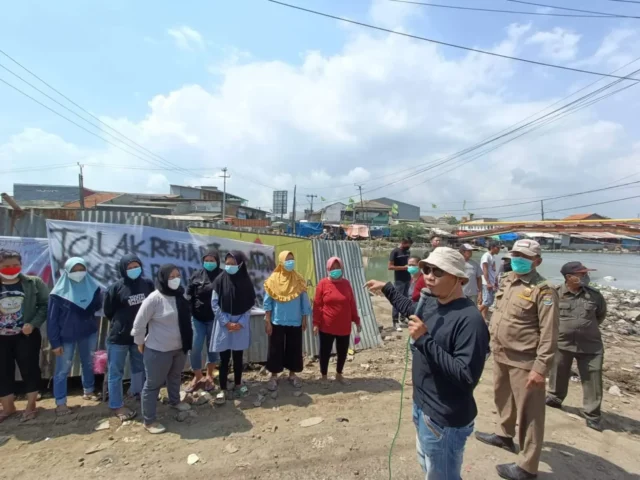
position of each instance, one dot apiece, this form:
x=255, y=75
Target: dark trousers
x=326, y=346
x=403, y=289
x=25, y=351
x=285, y=349
x=590, y=369
x=225, y=360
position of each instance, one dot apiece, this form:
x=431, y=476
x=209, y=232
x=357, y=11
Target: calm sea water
x=625, y=268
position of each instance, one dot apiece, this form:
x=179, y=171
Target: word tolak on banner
x=102, y=245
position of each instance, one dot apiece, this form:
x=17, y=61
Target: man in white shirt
x=473, y=289
x=489, y=278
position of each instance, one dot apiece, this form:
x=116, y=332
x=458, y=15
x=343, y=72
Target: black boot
x=497, y=441
x=553, y=402
x=511, y=471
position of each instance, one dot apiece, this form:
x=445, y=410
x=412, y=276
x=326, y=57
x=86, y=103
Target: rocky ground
x=623, y=311
x=333, y=433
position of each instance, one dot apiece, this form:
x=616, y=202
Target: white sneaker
x=398, y=329
x=182, y=407
x=155, y=428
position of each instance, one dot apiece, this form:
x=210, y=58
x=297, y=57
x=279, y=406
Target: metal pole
x=224, y=176
x=81, y=186
x=293, y=214
x=542, y=208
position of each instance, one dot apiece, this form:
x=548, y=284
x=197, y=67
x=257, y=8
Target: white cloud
x=392, y=14
x=618, y=48
x=187, y=38
x=369, y=114
x=557, y=44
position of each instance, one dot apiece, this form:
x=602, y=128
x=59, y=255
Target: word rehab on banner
x=102, y=245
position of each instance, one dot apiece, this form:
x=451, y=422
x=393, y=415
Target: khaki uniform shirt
x=524, y=325
x=580, y=317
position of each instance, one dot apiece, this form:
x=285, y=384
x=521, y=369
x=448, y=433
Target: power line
x=452, y=45
x=625, y=1
x=572, y=208
x=491, y=10
x=146, y=152
x=556, y=114
x=615, y=15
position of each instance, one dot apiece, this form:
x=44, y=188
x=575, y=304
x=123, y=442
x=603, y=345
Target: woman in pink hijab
x=334, y=310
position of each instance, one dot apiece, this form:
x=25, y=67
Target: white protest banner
x=102, y=245
x=35, y=255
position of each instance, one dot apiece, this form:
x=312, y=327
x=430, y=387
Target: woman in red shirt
x=334, y=309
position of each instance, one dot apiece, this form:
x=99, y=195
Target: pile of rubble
x=623, y=310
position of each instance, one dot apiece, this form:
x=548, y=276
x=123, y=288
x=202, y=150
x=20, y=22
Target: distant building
x=204, y=193
x=406, y=211
x=585, y=216
x=478, y=225
x=330, y=214
x=26, y=192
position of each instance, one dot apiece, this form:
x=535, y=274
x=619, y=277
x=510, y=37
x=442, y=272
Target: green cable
x=404, y=376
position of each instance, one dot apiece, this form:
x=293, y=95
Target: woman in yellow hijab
x=287, y=308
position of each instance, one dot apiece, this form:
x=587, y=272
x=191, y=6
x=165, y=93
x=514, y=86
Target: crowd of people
x=535, y=332
x=158, y=324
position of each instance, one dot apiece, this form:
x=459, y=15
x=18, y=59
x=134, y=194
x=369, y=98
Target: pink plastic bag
x=100, y=362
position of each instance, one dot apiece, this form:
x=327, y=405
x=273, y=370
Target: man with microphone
x=450, y=344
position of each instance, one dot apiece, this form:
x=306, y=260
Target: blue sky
x=283, y=97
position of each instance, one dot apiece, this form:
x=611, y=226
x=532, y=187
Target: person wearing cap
x=473, y=289
x=489, y=278
x=524, y=336
x=505, y=267
x=582, y=310
x=450, y=343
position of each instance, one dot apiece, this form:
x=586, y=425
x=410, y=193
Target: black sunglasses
x=437, y=272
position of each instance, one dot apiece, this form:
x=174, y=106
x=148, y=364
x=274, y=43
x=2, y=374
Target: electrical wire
x=140, y=147
x=570, y=208
x=615, y=15
x=491, y=10
x=447, y=44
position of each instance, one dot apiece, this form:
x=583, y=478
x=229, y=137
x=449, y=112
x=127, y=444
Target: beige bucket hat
x=449, y=260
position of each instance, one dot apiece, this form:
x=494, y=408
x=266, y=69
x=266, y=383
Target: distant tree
x=453, y=221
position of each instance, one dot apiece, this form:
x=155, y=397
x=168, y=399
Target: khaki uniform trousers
x=526, y=407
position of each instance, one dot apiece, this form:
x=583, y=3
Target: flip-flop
x=209, y=386
x=295, y=381
x=5, y=416
x=124, y=417
x=193, y=387
x=242, y=392
x=63, y=413
x=28, y=415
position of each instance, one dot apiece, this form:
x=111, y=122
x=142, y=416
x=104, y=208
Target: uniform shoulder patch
x=547, y=300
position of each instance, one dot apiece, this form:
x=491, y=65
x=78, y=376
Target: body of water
x=624, y=267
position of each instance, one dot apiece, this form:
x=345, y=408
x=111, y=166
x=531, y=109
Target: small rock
x=231, y=449
x=182, y=416
x=615, y=391
x=81, y=459
x=185, y=397
x=257, y=404
x=297, y=393
x=201, y=400
x=310, y=422
x=193, y=459
x=274, y=395
x=102, y=425
x=342, y=420
x=365, y=366
x=98, y=448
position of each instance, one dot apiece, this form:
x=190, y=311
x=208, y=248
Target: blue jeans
x=117, y=355
x=202, y=332
x=64, y=363
x=439, y=448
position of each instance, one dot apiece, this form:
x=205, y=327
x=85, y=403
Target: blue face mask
x=209, y=266
x=521, y=265
x=231, y=269
x=336, y=274
x=413, y=270
x=134, y=273
x=289, y=265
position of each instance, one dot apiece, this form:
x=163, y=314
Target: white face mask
x=77, y=276
x=174, y=283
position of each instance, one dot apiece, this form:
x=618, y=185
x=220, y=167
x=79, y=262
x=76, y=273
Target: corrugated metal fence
x=351, y=256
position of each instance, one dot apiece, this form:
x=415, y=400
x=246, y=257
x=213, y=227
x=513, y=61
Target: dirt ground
x=242, y=441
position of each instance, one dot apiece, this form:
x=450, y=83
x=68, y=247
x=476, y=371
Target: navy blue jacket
x=68, y=323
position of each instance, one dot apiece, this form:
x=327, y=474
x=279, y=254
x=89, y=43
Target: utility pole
x=311, y=197
x=81, y=186
x=361, y=203
x=542, y=208
x=224, y=176
x=293, y=214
